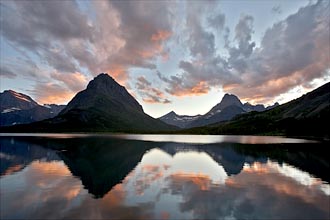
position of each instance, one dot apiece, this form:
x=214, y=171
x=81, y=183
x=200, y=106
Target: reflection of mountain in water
x=101, y=163
x=311, y=157
x=224, y=154
x=16, y=154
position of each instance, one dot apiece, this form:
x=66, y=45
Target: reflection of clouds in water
x=186, y=162
x=47, y=189
x=208, y=139
x=303, y=178
x=259, y=190
x=41, y=189
x=185, y=185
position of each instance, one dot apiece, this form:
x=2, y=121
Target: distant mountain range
x=107, y=106
x=308, y=115
x=18, y=108
x=229, y=107
x=103, y=106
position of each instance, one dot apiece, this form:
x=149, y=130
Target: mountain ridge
x=103, y=106
x=229, y=107
x=307, y=115
x=19, y=108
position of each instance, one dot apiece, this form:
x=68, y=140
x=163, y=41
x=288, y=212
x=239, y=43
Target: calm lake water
x=65, y=176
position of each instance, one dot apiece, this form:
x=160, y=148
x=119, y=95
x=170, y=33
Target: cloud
x=47, y=93
x=60, y=39
x=112, y=37
x=5, y=72
x=277, y=9
x=292, y=52
x=21, y=67
x=149, y=94
x=217, y=22
x=74, y=81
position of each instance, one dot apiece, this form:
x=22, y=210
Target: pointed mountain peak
x=103, y=76
x=230, y=96
x=172, y=113
x=103, y=89
x=230, y=99
x=103, y=83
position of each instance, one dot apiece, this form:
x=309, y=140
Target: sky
x=170, y=55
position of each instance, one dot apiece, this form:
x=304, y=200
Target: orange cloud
x=161, y=35
x=156, y=47
x=201, y=88
x=119, y=73
x=52, y=93
x=75, y=81
x=155, y=50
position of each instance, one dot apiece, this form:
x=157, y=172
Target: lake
x=83, y=176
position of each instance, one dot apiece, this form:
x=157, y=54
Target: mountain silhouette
x=103, y=106
x=305, y=116
x=229, y=107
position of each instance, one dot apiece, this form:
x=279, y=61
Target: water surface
x=79, y=176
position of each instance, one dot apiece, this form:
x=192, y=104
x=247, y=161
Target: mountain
x=181, y=121
x=229, y=107
x=18, y=108
x=103, y=106
x=306, y=116
x=12, y=101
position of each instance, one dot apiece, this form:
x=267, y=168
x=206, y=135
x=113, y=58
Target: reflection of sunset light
x=50, y=168
x=164, y=215
x=232, y=183
x=72, y=193
x=300, y=177
x=201, y=180
x=256, y=167
x=115, y=197
x=150, y=168
x=209, y=139
x=13, y=169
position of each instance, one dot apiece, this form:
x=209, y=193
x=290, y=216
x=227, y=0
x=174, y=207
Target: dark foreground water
x=163, y=177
